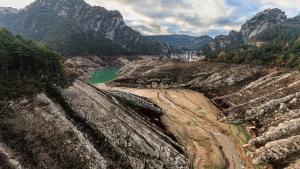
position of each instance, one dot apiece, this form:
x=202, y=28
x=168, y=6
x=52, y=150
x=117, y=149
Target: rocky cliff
x=261, y=22
x=265, y=100
x=249, y=30
x=74, y=27
x=82, y=127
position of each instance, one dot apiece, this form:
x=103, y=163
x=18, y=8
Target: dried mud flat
x=264, y=100
x=192, y=118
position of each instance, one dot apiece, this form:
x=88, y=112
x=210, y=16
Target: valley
x=193, y=120
x=264, y=100
x=156, y=85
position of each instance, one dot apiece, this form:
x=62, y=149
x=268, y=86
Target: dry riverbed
x=193, y=119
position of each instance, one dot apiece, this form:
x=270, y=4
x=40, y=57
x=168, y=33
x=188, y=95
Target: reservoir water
x=104, y=75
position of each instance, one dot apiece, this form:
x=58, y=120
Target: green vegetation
x=279, y=46
x=104, y=75
x=27, y=67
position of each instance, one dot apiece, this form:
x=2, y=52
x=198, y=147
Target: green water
x=104, y=75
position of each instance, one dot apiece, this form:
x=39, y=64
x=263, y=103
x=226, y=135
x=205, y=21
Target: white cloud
x=292, y=7
x=194, y=17
x=15, y=3
x=170, y=16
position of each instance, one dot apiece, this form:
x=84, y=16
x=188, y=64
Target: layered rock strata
x=265, y=100
x=82, y=127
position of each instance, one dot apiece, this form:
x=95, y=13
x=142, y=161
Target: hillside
x=73, y=27
x=183, y=42
x=27, y=67
x=264, y=100
x=81, y=127
x=269, y=38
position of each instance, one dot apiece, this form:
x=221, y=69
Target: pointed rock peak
x=262, y=21
x=53, y=3
x=274, y=13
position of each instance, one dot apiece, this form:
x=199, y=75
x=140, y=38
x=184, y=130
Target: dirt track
x=192, y=118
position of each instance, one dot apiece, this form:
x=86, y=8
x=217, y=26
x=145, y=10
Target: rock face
x=221, y=41
x=254, y=26
x=81, y=127
x=73, y=27
x=83, y=67
x=262, y=21
x=206, y=76
x=265, y=100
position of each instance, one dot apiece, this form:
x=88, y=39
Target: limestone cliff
x=261, y=22
x=74, y=27
x=249, y=30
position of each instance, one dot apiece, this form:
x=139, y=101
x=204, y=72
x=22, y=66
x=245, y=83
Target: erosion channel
x=193, y=120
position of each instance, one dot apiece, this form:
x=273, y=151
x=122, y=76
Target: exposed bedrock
x=265, y=100
x=204, y=76
x=81, y=127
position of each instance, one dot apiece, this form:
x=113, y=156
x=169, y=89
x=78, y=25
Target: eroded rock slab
x=83, y=128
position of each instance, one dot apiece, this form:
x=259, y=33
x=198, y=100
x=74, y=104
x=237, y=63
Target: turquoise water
x=104, y=75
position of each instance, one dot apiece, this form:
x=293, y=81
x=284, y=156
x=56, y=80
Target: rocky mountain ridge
x=262, y=21
x=74, y=27
x=251, y=29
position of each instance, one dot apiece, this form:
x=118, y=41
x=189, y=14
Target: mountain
x=261, y=22
x=183, y=41
x=73, y=27
x=256, y=26
x=269, y=38
x=222, y=41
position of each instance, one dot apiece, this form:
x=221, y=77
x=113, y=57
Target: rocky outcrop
x=205, y=76
x=265, y=100
x=74, y=27
x=222, y=41
x=137, y=102
x=277, y=151
x=249, y=30
x=83, y=67
x=261, y=22
x=284, y=129
x=81, y=127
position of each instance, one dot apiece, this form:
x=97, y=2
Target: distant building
x=190, y=56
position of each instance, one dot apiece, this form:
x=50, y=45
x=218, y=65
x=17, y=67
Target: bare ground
x=192, y=118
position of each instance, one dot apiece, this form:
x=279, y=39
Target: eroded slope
x=82, y=127
x=265, y=100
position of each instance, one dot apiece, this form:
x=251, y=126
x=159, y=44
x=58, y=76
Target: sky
x=190, y=17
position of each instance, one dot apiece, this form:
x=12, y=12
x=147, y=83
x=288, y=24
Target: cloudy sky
x=191, y=17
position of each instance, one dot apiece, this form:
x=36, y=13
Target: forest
x=27, y=67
